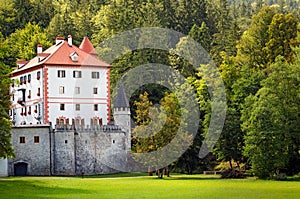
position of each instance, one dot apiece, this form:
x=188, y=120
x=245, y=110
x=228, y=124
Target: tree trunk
x=230, y=164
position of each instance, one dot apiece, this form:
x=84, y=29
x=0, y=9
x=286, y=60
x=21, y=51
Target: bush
x=232, y=173
x=281, y=176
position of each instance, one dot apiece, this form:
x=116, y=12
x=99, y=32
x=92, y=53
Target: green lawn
x=121, y=186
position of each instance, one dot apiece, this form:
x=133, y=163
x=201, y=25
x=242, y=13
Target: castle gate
x=20, y=169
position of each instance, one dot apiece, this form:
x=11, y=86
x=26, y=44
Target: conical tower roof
x=87, y=46
x=121, y=100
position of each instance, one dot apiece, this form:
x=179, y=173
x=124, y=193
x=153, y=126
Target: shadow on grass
x=174, y=176
x=190, y=177
x=17, y=188
x=115, y=175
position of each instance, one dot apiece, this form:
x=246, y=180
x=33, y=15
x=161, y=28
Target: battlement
x=88, y=128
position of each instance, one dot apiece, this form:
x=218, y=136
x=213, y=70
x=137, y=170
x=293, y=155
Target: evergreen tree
x=7, y=17
x=283, y=33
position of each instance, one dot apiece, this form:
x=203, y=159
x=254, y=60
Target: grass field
x=122, y=186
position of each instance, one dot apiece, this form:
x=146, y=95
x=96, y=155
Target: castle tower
x=122, y=114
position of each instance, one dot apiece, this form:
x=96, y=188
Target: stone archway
x=20, y=169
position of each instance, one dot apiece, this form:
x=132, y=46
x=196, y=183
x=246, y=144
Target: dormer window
x=74, y=57
x=21, y=63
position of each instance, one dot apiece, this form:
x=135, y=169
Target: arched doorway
x=20, y=169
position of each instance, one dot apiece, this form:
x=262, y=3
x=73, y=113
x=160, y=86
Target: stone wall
x=35, y=155
x=63, y=153
x=3, y=167
x=93, y=149
x=69, y=152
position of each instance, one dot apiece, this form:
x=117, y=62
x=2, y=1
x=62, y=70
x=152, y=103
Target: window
x=25, y=79
x=36, y=139
x=39, y=92
x=36, y=109
x=66, y=141
x=61, y=122
x=95, y=107
x=77, y=107
x=29, y=110
x=22, y=140
x=21, y=80
x=76, y=74
x=61, y=90
x=61, y=73
x=74, y=57
x=77, y=90
x=95, y=90
x=95, y=75
x=29, y=94
x=29, y=78
x=38, y=75
x=62, y=107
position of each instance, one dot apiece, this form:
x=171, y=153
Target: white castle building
x=65, y=85
x=61, y=114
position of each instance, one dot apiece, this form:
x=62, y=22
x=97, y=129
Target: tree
x=201, y=35
x=6, y=149
x=158, y=127
x=7, y=17
x=227, y=31
x=23, y=43
x=189, y=13
x=42, y=12
x=251, y=47
x=283, y=33
x=271, y=121
x=62, y=24
x=24, y=10
x=230, y=144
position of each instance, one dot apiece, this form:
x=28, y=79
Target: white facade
x=64, y=85
x=79, y=95
x=27, y=98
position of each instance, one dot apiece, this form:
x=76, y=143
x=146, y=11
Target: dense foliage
x=254, y=44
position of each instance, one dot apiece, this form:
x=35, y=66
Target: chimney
x=59, y=40
x=70, y=40
x=39, y=48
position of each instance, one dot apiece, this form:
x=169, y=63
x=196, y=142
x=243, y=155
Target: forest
x=255, y=45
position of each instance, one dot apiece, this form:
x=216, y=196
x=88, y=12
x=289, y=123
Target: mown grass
x=124, y=186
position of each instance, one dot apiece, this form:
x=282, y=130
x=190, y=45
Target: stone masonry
x=68, y=151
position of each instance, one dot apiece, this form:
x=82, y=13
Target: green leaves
x=269, y=120
x=23, y=42
x=5, y=124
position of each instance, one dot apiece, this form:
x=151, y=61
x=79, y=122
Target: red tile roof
x=87, y=46
x=60, y=55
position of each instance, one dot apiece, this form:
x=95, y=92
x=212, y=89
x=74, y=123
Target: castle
x=61, y=114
